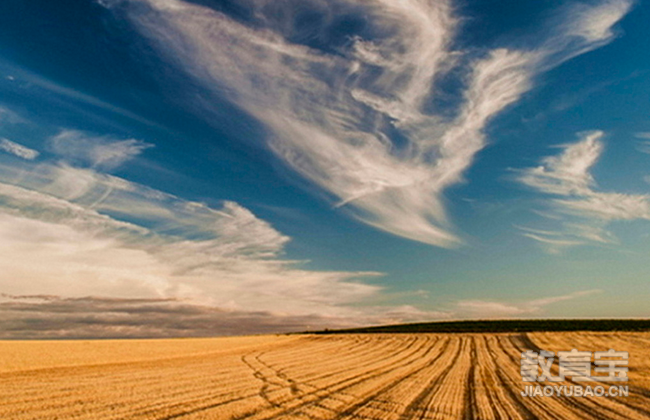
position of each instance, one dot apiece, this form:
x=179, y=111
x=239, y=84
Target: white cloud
x=493, y=309
x=590, y=233
x=18, y=149
x=104, y=152
x=595, y=24
x=334, y=115
x=224, y=257
x=552, y=241
x=382, y=315
x=74, y=232
x=567, y=176
x=568, y=173
x=572, y=234
x=610, y=206
x=481, y=308
x=537, y=304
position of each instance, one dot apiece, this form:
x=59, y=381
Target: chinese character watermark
x=608, y=366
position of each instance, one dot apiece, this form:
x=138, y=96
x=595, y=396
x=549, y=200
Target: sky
x=202, y=167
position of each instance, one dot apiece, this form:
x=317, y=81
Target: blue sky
x=269, y=165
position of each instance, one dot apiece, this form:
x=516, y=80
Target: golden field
x=310, y=377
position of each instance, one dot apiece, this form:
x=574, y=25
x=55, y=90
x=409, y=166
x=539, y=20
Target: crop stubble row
x=373, y=377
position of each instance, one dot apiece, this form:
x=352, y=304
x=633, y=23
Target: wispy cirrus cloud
x=567, y=177
x=494, y=309
x=98, y=235
x=7, y=116
x=99, y=151
x=568, y=173
x=358, y=121
x=593, y=24
x=29, y=84
x=225, y=257
x=17, y=149
x=643, y=146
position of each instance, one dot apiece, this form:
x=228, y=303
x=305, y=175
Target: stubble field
x=315, y=377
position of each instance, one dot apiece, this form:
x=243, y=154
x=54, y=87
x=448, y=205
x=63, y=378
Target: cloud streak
x=18, y=149
x=358, y=121
x=567, y=176
x=643, y=146
x=493, y=309
x=102, y=152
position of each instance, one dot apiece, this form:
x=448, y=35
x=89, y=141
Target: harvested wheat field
x=364, y=376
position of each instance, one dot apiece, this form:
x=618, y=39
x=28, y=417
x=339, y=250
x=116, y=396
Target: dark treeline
x=496, y=326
